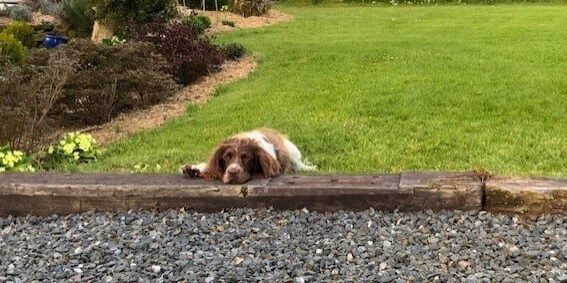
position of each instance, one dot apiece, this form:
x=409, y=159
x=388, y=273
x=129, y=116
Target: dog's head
x=238, y=160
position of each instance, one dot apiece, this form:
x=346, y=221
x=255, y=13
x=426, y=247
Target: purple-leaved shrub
x=189, y=53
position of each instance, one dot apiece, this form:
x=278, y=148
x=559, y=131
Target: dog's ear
x=265, y=164
x=216, y=165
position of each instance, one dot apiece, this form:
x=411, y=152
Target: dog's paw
x=191, y=171
x=307, y=166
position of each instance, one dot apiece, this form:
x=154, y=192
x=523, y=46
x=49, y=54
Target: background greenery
x=386, y=89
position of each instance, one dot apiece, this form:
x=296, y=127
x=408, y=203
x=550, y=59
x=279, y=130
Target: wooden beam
x=53, y=193
x=330, y=193
x=526, y=195
x=443, y=190
x=58, y=193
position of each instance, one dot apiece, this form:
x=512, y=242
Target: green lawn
x=387, y=89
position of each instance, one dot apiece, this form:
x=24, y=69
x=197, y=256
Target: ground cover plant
x=386, y=89
x=72, y=149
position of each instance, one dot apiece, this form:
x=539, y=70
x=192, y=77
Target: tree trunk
x=103, y=29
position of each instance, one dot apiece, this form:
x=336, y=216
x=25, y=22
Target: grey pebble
x=265, y=245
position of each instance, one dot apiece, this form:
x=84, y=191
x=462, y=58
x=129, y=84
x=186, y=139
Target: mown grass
x=387, y=89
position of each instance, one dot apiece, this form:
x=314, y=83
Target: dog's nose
x=233, y=169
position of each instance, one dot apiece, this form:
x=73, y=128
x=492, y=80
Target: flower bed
x=82, y=84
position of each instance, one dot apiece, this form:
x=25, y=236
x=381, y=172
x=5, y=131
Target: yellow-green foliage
x=23, y=32
x=72, y=149
x=75, y=147
x=14, y=160
x=11, y=48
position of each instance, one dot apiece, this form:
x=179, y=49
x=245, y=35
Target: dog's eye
x=245, y=156
x=227, y=156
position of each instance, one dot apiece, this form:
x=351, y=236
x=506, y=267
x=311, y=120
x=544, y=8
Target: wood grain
x=59, y=193
x=526, y=195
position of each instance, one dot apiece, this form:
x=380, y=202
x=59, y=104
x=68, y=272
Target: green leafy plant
x=11, y=48
x=79, y=15
x=21, y=13
x=74, y=148
x=228, y=23
x=200, y=22
x=23, y=32
x=15, y=160
x=234, y=50
x=135, y=11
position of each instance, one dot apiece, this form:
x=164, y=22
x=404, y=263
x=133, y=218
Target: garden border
x=64, y=193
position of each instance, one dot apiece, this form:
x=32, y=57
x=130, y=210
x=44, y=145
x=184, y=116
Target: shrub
x=234, y=50
x=79, y=15
x=189, y=55
x=228, y=23
x=200, y=22
x=28, y=93
x=11, y=48
x=209, y=4
x=247, y=8
x=77, y=84
x=135, y=11
x=22, y=32
x=48, y=7
x=111, y=80
x=21, y=13
x=15, y=160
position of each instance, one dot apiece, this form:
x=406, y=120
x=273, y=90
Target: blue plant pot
x=52, y=41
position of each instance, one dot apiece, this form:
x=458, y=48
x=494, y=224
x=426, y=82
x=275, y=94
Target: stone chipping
x=265, y=245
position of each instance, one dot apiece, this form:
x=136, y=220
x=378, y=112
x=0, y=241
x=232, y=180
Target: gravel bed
x=247, y=245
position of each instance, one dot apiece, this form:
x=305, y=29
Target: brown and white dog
x=259, y=153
